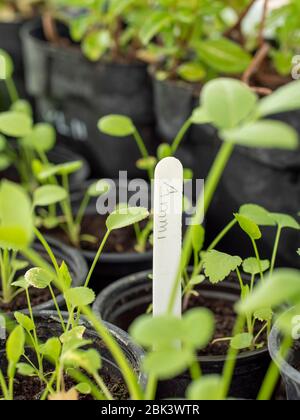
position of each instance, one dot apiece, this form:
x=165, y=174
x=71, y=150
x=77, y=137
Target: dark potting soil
x=31, y=388
x=37, y=297
x=225, y=318
x=295, y=355
x=119, y=241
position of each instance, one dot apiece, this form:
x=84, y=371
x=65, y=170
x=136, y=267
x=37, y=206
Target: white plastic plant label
x=168, y=206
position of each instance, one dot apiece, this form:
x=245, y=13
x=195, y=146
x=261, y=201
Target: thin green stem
x=3, y=386
x=103, y=387
x=36, y=341
x=151, y=388
x=258, y=259
x=143, y=151
x=57, y=308
x=12, y=90
x=230, y=363
x=181, y=135
x=275, y=250
x=99, y=252
x=48, y=250
x=273, y=373
x=83, y=206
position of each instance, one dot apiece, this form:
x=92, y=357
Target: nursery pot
x=112, y=264
x=41, y=299
x=269, y=178
x=73, y=93
x=290, y=368
x=48, y=325
x=122, y=302
x=174, y=103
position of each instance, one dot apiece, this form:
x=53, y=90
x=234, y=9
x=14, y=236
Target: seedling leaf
x=207, y=388
x=116, y=126
x=241, y=341
x=126, y=217
x=257, y=214
x=49, y=194
x=218, y=266
x=249, y=227
x=38, y=278
x=199, y=327
x=251, y=266
x=80, y=296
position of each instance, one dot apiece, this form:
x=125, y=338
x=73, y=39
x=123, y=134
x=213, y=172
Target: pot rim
x=281, y=363
x=139, y=278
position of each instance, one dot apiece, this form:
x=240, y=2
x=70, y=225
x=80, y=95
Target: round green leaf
x=199, y=327
x=249, y=227
x=285, y=221
x=218, y=265
x=264, y=134
x=242, y=341
x=25, y=369
x=126, y=217
x=251, y=266
x=15, y=124
x=6, y=65
x=98, y=188
x=116, y=126
x=38, y=278
x=146, y=163
x=207, y=388
x=257, y=214
x=192, y=72
x=227, y=102
x=49, y=194
x=80, y=296
x=42, y=138
x=15, y=345
x=149, y=331
x=24, y=321
x=61, y=170
x=22, y=106
x=164, y=150
x=167, y=364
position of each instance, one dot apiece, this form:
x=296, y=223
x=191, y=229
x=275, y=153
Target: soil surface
x=119, y=241
x=31, y=388
x=225, y=318
x=295, y=358
x=37, y=297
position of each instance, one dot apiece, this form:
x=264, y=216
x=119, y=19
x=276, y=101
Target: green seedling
x=22, y=144
x=66, y=352
x=185, y=40
x=56, y=190
x=105, y=28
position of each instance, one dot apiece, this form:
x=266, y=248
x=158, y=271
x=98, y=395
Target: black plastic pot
x=174, y=103
x=75, y=262
x=122, y=302
x=10, y=41
x=73, y=93
x=289, y=374
x=48, y=325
